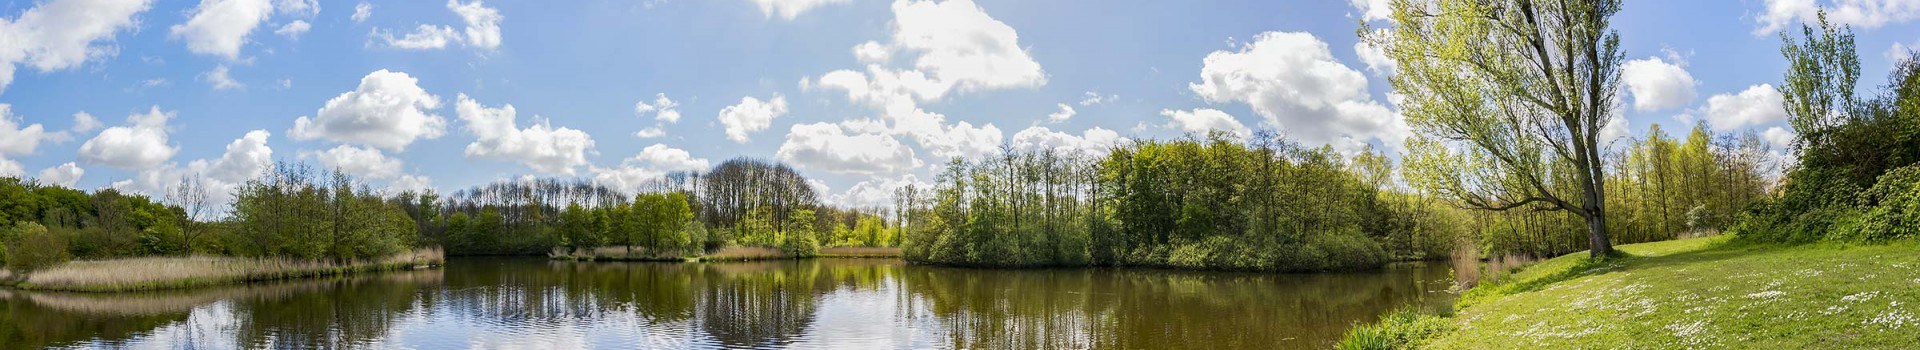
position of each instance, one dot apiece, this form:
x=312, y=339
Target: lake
x=816, y=303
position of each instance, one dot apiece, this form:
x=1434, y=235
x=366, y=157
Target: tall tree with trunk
x=1509, y=98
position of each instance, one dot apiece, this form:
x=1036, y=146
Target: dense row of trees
x=1212, y=203
x=42, y=224
x=295, y=211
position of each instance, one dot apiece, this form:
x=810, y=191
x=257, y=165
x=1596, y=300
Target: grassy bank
x=156, y=273
x=1693, y=293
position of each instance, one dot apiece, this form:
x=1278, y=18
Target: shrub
x=1401, y=329
x=36, y=249
x=1892, y=207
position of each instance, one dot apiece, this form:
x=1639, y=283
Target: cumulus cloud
x=1092, y=142
x=358, y=161
x=220, y=27
x=388, y=110
x=244, y=159
x=1375, y=58
x=650, y=164
x=83, y=122
x=1757, y=105
x=16, y=139
x=1293, y=80
x=60, y=34
x=1657, y=84
x=959, y=43
x=362, y=11
x=294, y=29
x=1204, y=120
x=1778, y=14
x=790, y=9
x=751, y=115
x=875, y=193
x=1065, y=112
x=540, y=146
x=220, y=80
x=482, y=30
x=663, y=109
x=1778, y=137
x=140, y=145
x=828, y=147
x=1372, y=10
x=65, y=175
x=650, y=133
x=483, y=23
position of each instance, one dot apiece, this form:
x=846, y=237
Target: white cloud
x=1375, y=58
x=751, y=115
x=960, y=140
x=388, y=110
x=482, y=30
x=10, y=168
x=875, y=193
x=1372, y=10
x=64, y=175
x=1092, y=142
x=1657, y=84
x=1617, y=128
x=302, y=8
x=244, y=159
x=358, y=161
x=59, y=34
x=650, y=133
x=220, y=80
x=220, y=27
x=424, y=37
x=827, y=147
x=663, y=109
x=1901, y=52
x=790, y=9
x=540, y=146
x=140, y=145
x=1779, y=137
x=1294, y=81
x=1757, y=105
x=960, y=44
x=1866, y=14
x=651, y=163
x=294, y=29
x=1094, y=98
x=483, y=23
x=872, y=52
x=1066, y=112
x=362, y=11
x=83, y=122
x=1204, y=120
x=16, y=139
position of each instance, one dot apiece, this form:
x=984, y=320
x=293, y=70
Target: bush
x=800, y=246
x=1892, y=208
x=1402, y=329
x=35, y=249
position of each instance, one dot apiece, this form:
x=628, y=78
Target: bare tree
x=191, y=195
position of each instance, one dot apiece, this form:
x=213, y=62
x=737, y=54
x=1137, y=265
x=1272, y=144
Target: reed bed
x=155, y=273
x=745, y=253
x=860, y=252
x=617, y=253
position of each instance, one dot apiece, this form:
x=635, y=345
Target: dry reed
x=151, y=273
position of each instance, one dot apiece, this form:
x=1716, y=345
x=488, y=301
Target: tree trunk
x=1597, y=234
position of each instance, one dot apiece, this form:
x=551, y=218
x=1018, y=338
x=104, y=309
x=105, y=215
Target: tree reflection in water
x=772, y=304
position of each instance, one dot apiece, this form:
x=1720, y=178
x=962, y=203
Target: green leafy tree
x=1509, y=98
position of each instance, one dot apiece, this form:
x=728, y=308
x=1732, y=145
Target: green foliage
x=1400, y=329
x=31, y=247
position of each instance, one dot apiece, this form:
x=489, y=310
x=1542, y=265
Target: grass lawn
x=1702, y=293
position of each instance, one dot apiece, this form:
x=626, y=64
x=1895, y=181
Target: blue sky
x=413, y=93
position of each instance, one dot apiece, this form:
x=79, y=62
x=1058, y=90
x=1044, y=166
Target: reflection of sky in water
x=802, y=305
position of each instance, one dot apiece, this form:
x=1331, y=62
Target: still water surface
x=821, y=303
